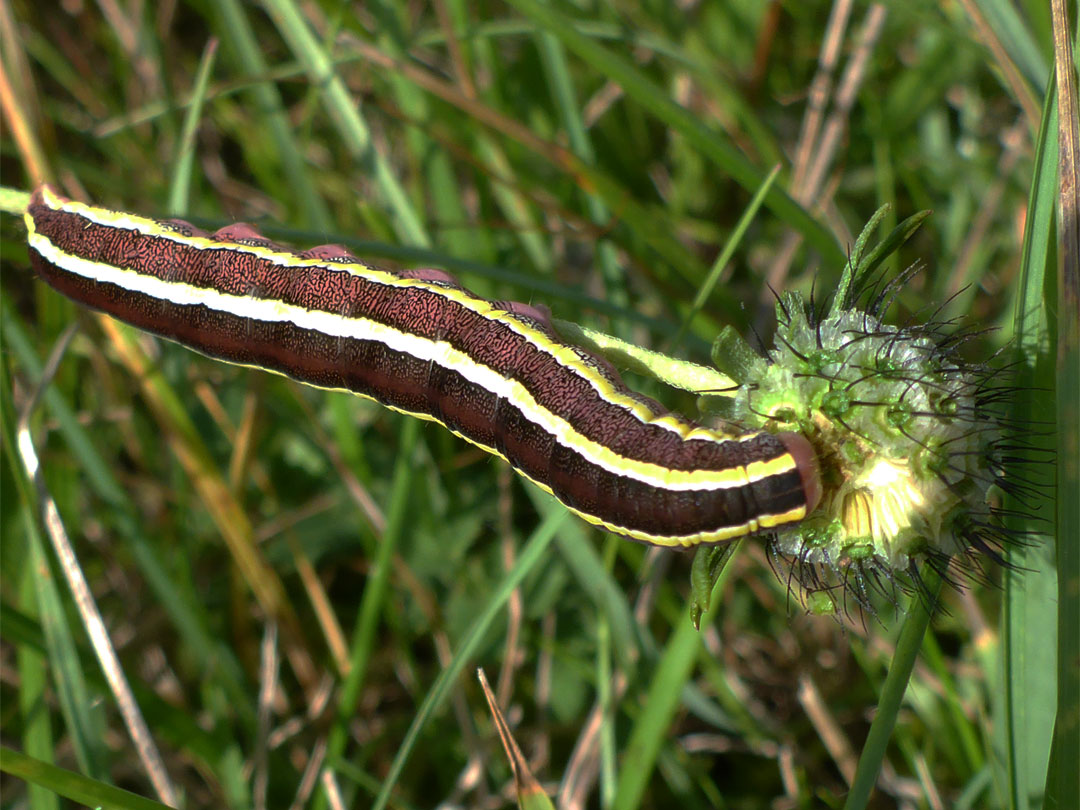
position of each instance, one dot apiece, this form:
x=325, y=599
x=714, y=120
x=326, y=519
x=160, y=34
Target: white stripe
x=152, y=228
x=440, y=352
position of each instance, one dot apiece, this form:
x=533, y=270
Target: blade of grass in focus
x=71, y=785
x=1030, y=586
x=1063, y=782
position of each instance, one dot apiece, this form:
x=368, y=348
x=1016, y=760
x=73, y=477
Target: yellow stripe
x=441, y=352
x=561, y=352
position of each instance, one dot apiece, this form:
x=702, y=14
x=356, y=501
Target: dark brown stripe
x=402, y=381
x=409, y=309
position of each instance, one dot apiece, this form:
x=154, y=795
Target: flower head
x=909, y=439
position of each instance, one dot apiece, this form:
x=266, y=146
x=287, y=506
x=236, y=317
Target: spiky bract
x=910, y=440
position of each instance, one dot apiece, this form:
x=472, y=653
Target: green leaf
x=709, y=565
x=72, y=785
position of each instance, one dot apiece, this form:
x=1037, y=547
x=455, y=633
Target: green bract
x=910, y=438
x=895, y=418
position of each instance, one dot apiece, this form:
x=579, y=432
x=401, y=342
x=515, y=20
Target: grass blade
x=530, y=557
x=82, y=723
x=917, y=620
x=1063, y=781
x=672, y=673
x=711, y=145
x=345, y=114
x=72, y=785
x=229, y=16
x=1031, y=586
x=185, y=155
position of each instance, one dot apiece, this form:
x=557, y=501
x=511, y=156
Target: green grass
x=298, y=582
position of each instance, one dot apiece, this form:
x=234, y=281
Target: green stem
x=892, y=693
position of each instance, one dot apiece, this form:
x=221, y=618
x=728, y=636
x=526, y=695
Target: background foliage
x=298, y=582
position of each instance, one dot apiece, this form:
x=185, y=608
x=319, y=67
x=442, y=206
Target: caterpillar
x=495, y=373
